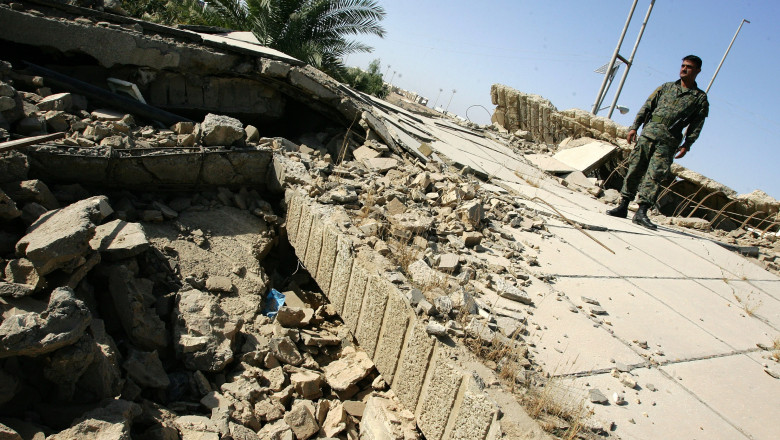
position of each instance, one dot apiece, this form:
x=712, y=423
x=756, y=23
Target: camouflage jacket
x=669, y=109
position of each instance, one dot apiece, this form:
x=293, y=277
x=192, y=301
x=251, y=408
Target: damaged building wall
x=177, y=70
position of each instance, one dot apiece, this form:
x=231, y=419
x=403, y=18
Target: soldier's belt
x=661, y=120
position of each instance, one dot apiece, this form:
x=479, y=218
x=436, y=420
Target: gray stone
x=196, y=428
x=8, y=209
x=348, y=370
x=31, y=191
x=31, y=334
x=448, y=262
x=203, y=333
x=443, y=304
x=219, y=130
x=596, y=396
x=59, y=101
x=308, y=384
x=112, y=421
x=145, y=369
x=65, y=366
x=118, y=239
x=292, y=317
x=60, y=238
x=13, y=290
x=103, y=377
x=301, y=421
x=133, y=299
x=219, y=284
x=285, y=351
x=435, y=329
x=22, y=271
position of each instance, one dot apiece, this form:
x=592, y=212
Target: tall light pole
x=724, y=55
x=630, y=61
x=437, y=98
x=448, y=104
x=600, y=96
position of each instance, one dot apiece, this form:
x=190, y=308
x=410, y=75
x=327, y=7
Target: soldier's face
x=688, y=70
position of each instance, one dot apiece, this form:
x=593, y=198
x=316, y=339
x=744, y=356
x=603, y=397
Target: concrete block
x=398, y=314
x=293, y=215
x=474, y=415
x=342, y=272
x=372, y=313
x=304, y=228
x=330, y=241
x=415, y=356
x=438, y=396
x=354, y=300
x=314, y=247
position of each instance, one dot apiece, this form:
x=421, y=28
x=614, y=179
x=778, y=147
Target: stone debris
x=157, y=300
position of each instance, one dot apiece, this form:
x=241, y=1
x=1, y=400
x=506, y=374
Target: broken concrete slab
x=60, y=238
x=118, y=239
x=61, y=324
x=587, y=157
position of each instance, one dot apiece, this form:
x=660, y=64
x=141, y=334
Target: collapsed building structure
x=140, y=249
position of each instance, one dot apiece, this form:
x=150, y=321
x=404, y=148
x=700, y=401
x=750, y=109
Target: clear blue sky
x=552, y=47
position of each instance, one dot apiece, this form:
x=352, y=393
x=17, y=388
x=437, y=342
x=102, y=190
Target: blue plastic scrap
x=273, y=301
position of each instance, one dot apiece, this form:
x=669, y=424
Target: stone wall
x=523, y=111
x=446, y=399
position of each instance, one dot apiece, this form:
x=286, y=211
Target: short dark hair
x=694, y=59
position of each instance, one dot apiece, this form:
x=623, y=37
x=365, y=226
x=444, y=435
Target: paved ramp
x=682, y=314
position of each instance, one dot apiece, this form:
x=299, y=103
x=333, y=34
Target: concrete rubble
x=138, y=259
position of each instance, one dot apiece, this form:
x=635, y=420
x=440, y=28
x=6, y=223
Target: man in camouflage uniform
x=669, y=109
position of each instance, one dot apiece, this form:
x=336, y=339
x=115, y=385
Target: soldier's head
x=691, y=66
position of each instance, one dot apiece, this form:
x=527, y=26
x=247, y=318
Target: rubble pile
x=110, y=330
x=144, y=315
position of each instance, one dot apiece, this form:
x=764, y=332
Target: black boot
x=620, y=210
x=640, y=217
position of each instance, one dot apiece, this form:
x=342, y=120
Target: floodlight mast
x=724, y=55
x=600, y=96
x=630, y=60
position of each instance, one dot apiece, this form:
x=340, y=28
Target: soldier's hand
x=631, y=137
x=681, y=152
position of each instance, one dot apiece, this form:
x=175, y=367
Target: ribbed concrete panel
x=355, y=292
x=314, y=247
x=414, y=363
x=330, y=241
x=293, y=214
x=342, y=272
x=438, y=396
x=398, y=314
x=372, y=313
x=304, y=228
x=474, y=415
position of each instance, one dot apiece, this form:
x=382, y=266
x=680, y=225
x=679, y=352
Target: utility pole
x=724, y=55
x=630, y=60
x=615, y=55
x=448, y=104
x=437, y=98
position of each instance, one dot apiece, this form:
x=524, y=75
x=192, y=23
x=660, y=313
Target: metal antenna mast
x=724, y=55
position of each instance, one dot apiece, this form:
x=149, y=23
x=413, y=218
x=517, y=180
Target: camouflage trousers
x=649, y=164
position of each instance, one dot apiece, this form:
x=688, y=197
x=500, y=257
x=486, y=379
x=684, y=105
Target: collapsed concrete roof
x=689, y=192
x=506, y=238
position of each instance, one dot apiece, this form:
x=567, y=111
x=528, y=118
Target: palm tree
x=314, y=31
